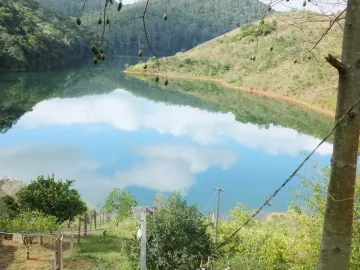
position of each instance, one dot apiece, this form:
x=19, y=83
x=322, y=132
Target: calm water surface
x=103, y=129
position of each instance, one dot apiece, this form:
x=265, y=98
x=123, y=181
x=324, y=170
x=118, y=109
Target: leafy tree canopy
x=55, y=198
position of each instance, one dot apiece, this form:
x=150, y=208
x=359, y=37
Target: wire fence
x=58, y=242
x=273, y=195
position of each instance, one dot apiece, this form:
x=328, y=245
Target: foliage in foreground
x=290, y=240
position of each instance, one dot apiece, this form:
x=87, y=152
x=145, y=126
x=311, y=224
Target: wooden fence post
x=90, y=221
x=79, y=230
x=95, y=218
x=72, y=240
x=28, y=251
x=52, y=264
x=61, y=264
x=208, y=265
x=85, y=223
x=57, y=253
x=58, y=258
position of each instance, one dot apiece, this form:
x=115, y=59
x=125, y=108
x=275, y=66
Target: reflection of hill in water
x=252, y=108
x=22, y=91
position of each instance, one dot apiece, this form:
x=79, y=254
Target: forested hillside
x=32, y=37
x=189, y=22
x=70, y=8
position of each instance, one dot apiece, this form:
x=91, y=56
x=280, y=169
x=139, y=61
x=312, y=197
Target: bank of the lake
x=225, y=84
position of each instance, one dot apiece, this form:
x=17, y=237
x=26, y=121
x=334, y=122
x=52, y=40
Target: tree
x=36, y=38
x=339, y=214
x=177, y=236
x=120, y=201
x=55, y=198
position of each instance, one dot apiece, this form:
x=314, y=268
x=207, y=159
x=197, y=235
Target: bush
x=177, y=237
x=251, y=30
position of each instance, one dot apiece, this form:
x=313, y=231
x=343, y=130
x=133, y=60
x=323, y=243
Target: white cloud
x=165, y=167
x=199, y=159
x=161, y=175
x=126, y=112
x=26, y=163
x=172, y=167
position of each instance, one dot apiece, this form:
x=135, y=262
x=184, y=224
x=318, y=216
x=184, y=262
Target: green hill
x=32, y=37
x=282, y=62
x=189, y=22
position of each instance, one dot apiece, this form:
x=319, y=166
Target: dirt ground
x=13, y=256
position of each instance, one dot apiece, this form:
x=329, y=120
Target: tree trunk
x=338, y=221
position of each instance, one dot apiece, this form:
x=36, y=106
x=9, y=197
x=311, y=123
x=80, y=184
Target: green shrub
x=177, y=237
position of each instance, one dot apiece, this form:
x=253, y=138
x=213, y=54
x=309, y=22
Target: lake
x=104, y=129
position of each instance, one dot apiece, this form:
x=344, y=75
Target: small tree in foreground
x=53, y=198
x=177, y=236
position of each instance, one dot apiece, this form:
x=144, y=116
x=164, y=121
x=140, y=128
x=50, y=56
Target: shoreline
x=240, y=88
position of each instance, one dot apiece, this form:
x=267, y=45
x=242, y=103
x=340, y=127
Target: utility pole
x=143, y=210
x=217, y=211
x=143, y=239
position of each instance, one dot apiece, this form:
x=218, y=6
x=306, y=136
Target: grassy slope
x=228, y=57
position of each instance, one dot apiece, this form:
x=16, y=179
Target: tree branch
x=328, y=29
x=336, y=63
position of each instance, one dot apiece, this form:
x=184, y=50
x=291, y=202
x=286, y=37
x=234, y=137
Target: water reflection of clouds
x=166, y=167
x=126, y=112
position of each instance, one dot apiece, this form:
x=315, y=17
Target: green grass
x=106, y=253
x=228, y=57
